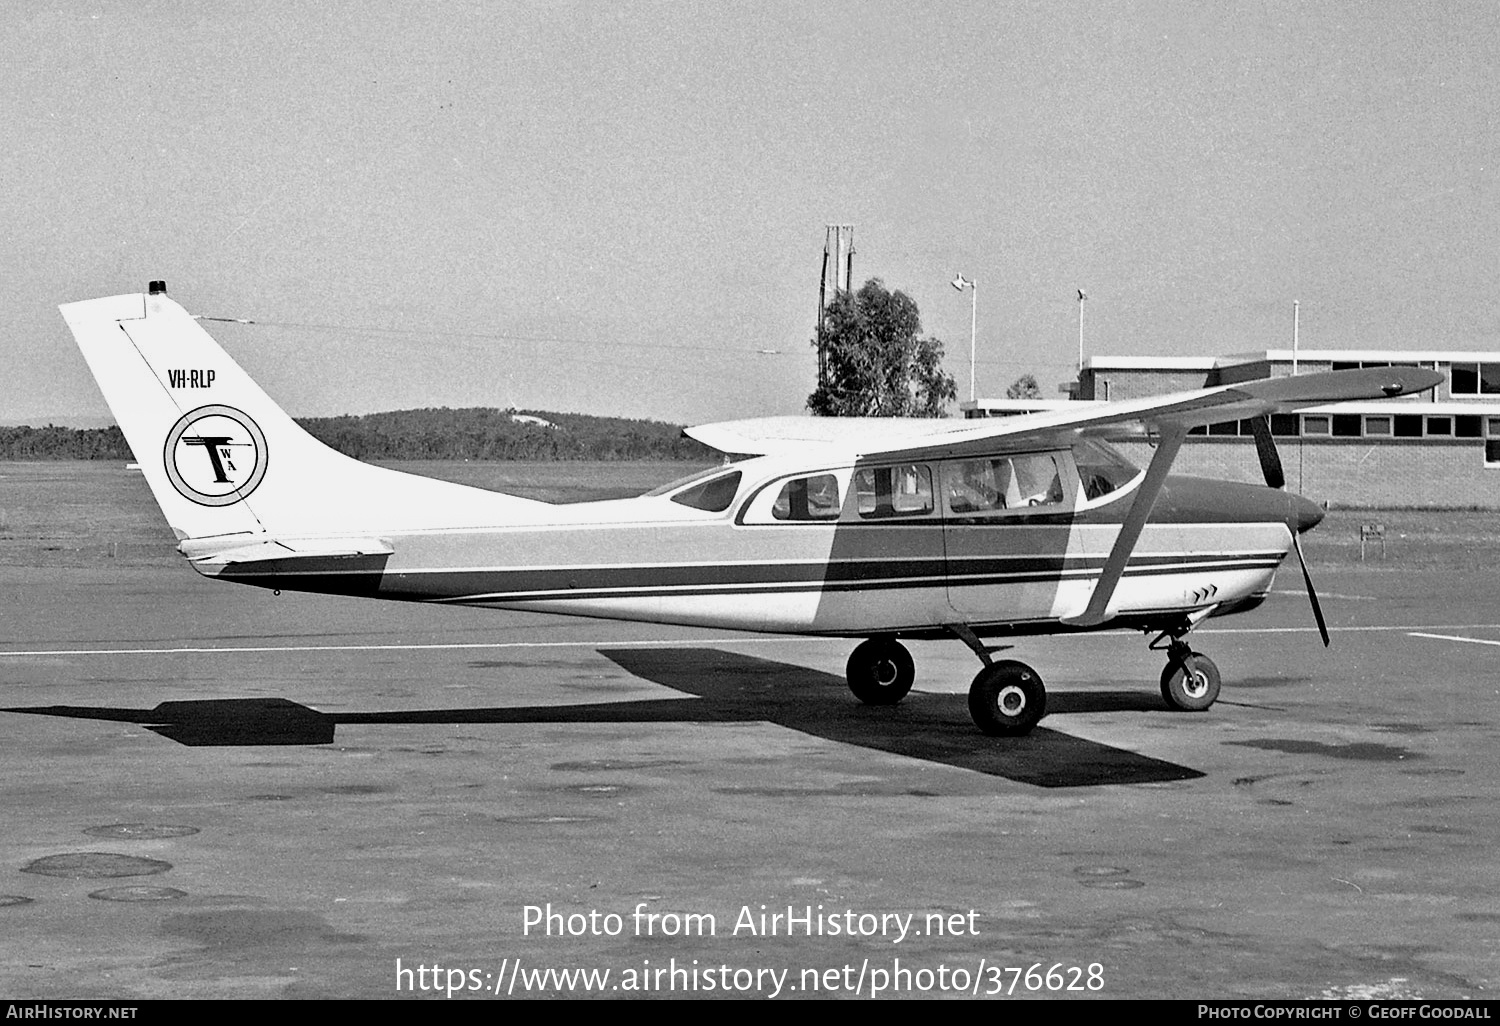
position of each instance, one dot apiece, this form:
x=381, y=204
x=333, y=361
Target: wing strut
x=1171, y=436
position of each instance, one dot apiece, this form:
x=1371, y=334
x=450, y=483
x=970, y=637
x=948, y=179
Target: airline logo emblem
x=215, y=455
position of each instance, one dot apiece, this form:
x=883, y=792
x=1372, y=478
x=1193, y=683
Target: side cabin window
x=808, y=498
x=1028, y=482
x=900, y=491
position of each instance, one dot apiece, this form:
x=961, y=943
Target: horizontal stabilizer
x=339, y=566
x=223, y=551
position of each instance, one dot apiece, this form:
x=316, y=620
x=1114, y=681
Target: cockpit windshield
x=1101, y=467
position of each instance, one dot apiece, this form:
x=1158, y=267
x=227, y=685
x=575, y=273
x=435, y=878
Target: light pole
x=1296, y=324
x=1082, y=298
x=960, y=283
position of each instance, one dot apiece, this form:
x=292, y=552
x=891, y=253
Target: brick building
x=1436, y=449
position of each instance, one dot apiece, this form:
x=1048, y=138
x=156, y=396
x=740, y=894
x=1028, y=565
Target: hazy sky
x=610, y=207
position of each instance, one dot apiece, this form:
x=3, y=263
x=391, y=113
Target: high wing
x=911, y=438
x=1167, y=417
x=773, y=436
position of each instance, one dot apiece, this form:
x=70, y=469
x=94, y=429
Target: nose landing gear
x=1190, y=680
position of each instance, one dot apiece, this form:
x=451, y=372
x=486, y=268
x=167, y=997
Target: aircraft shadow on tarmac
x=727, y=688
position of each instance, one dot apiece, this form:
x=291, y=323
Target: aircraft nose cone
x=1303, y=514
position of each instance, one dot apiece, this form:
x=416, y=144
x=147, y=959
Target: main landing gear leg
x=1190, y=680
x=1007, y=697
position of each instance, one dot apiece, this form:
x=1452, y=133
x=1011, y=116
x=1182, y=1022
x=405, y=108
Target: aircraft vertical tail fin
x=222, y=458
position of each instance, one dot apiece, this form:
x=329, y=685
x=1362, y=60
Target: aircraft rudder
x=132, y=344
x=224, y=458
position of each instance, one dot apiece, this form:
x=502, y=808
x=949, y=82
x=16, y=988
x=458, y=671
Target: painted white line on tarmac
x=1453, y=637
x=1413, y=630
x=1367, y=629
x=440, y=646
x=1302, y=594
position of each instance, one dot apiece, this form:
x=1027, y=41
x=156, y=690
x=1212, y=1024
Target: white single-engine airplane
x=874, y=529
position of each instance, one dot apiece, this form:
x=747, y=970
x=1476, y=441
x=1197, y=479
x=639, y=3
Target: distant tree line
x=428, y=434
x=63, y=443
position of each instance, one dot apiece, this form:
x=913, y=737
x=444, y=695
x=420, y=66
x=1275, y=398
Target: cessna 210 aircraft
x=880, y=530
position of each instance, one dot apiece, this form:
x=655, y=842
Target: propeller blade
x=1270, y=466
x=1265, y=448
x=1312, y=596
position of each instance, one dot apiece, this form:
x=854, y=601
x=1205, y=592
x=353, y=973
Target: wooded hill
x=428, y=434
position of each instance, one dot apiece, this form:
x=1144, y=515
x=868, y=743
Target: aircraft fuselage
x=841, y=570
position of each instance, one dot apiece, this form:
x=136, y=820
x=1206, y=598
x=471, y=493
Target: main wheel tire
x=1007, y=699
x=880, y=671
x=1190, y=684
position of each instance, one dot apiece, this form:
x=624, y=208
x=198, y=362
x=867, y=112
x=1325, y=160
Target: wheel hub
x=1195, y=683
x=886, y=673
x=1011, y=700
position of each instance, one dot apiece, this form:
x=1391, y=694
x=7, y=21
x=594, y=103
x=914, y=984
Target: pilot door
x=1007, y=531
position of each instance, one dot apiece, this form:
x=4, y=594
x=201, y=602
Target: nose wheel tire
x=1190, y=683
x=1007, y=699
x=880, y=671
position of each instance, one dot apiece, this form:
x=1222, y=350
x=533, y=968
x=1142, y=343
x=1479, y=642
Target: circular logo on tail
x=215, y=455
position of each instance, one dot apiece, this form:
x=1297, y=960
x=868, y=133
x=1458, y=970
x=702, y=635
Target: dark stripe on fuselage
x=1184, y=501
x=569, y=583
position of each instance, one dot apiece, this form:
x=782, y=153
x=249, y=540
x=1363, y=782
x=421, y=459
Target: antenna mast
x=838, y=257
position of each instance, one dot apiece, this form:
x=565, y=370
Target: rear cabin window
x=899, y=491
x=712, y=496
x=808, y=498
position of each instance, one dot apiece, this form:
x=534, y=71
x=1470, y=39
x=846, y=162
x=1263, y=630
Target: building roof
x=1182, y=363
x=1371, y=355
x=1377, y=406
x=1208, y=363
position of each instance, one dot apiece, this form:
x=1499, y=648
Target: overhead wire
x=477, y=340
x=496, y=336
